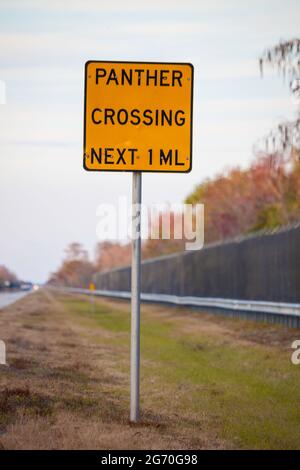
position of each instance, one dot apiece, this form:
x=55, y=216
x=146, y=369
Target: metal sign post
x=135, y=297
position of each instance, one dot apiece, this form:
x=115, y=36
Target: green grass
x=247, y=394
x=101, y=315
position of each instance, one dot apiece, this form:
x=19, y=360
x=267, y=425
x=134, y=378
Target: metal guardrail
x=272, y=312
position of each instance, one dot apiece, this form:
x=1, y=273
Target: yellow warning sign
x=138, y=116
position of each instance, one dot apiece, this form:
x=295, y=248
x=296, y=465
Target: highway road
x=7, y=298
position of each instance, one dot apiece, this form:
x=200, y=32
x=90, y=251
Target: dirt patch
x=21, y=363
x=15, y=398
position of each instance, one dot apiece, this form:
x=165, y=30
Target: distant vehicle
x=26, y=286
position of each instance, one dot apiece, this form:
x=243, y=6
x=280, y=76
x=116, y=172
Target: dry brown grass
x=62, y=389
x=67, y=384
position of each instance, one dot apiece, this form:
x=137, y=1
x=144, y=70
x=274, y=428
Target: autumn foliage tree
x=6, y=276
x=111, y=254
x=157, y=245
x=264, y=196
x=76, y=270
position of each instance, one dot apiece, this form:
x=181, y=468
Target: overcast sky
x=46, y=199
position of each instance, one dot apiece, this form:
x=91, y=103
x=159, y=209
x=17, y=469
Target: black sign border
x=144, y=63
